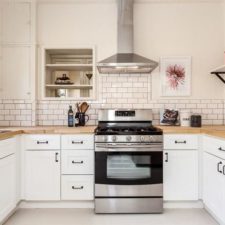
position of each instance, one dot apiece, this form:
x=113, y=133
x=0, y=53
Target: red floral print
x=176, y=75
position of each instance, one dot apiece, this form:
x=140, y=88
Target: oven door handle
x=129, y=148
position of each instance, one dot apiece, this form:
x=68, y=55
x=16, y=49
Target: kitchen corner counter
x=216, y=131
x=13, y=131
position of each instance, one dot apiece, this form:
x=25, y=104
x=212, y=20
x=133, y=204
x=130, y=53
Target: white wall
x=161, y=29
x=180, y=29
x=78, y=24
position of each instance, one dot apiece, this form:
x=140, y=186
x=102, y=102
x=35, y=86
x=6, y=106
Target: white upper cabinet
x=16, y=22
x=16, y=77
x=17, y=50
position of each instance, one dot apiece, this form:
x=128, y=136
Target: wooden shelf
x=70, y=67
x=72, y=86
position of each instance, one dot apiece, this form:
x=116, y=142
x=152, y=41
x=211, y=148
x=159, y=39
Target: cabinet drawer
x=42, y=142
x=214, y=146
x=180, y=141
x=7, y=147
x=79, y=141
x=77, y=187
x=77, y=162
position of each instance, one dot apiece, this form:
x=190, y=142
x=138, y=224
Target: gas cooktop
x=117, y=130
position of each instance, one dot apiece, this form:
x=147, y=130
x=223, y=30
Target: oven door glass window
x=128, y=167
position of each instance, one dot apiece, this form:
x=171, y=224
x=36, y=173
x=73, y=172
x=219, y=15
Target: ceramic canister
x=185, y=118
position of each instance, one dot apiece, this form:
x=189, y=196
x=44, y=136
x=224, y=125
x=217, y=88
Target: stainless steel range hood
x=125, y=61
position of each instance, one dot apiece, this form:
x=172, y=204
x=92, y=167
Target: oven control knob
x=142, y=138
x=114, y=138
x=151, y=138
x=128, y=138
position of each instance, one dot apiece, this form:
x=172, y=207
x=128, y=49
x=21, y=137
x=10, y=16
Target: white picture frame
x=175, y=76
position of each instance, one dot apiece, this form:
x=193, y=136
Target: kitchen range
x=128, y=163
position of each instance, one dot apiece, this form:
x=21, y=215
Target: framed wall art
x=175, y=75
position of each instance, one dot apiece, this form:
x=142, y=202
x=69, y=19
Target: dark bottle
x=77, y=119
x=70, y=117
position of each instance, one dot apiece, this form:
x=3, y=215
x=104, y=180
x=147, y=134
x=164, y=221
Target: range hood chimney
x=125, y=61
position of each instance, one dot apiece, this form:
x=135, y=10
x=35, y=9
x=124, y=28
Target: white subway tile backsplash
x=114, y=91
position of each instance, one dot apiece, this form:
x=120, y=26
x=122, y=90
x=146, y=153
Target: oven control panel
x=129, y=138
x=125, y=113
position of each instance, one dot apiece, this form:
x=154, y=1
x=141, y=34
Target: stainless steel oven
x=128, y=163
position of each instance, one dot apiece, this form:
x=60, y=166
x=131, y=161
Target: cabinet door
x=180, y=175
x=213, y=186
x=42, y=175
x=16, y=72
x=8, y=185
x=16, y=22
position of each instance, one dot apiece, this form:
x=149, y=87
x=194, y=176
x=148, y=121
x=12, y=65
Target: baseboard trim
x=183, y=204
x=213, y=215
x=90, y=204
x=56, y=204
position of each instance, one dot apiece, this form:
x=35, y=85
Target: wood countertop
x=217, y=131
x=12, y=131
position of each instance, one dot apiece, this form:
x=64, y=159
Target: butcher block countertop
x=217, y=131
x=12, y=131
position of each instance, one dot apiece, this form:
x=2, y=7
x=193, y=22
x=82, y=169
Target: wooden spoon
x=84, y=106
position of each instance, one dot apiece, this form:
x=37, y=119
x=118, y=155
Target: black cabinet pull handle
x=180, y=142
x=167, y=157
x=76, y=162
x=224, y=170
x=221, y=149
x=77, y=188
x=218, y=167
x=77, y=142
x=42, y=142
x=56, y=157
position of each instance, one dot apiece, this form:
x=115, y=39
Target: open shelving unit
x=77, y=65
x=219, y=72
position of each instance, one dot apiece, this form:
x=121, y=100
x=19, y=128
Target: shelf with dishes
x=68, y=73
x=69, y=67
x=66, y=86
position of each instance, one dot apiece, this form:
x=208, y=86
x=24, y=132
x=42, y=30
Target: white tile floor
x=87, y=217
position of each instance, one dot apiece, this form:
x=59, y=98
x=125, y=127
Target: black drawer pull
x=56, y=157
x=77, y=188
x=42, y=142
x=180, y=142
x=221, y=149
x=223, y=170
x=218, y=167
x=77, y=162
x=167, y=157
x=77, y=142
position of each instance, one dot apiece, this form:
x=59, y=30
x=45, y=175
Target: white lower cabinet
x=77, y=187
x=77, y=181
x=214, y=185
x=180, y=176
x=42, y=175
x=7, y=185
x=77, y=162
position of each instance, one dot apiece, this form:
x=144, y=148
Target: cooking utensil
x=83, y=107
x=78, y=107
